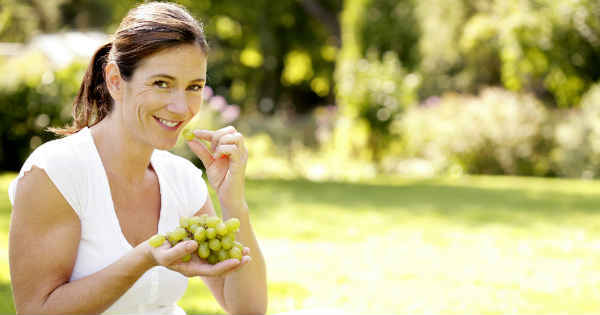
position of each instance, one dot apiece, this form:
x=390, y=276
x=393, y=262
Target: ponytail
x=93, y=102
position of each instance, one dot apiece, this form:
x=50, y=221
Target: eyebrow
x=173, y=78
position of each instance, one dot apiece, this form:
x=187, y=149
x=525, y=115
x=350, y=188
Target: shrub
x=33, y=96
x=577, y=151
x=497, y=132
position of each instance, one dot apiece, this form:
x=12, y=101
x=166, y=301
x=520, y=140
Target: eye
x=196, y=87
x=161, y=84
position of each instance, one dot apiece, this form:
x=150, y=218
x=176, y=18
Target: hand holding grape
x=200, y=246
x=225, y=163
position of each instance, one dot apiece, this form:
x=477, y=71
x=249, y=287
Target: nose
x=178, y=103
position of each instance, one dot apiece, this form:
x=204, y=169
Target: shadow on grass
x=471, y=205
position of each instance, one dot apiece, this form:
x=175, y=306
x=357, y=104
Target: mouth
x=168, y=124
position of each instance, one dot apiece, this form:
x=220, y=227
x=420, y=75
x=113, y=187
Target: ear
x=114, y=82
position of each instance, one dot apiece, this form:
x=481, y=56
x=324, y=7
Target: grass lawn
x=472, y=245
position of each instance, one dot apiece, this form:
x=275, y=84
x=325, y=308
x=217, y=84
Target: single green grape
x=193, y=228
x=172, y=239
x=203, y=250
x=226, y=243
x=188, y=135
x=214, y=244
x=203, y=218
x=221, y=228
x=238, y=245
x=179, y=233
x=230, y=236
x=156, y=240
x=236, y=253
x=213, y=259
x=176, y=235
x=223, y=255
x=233, y=224
x=200, y=234
x=184, y=222
x=211, y=233
x=187, y=258
x=195, y=220
x=212, y=222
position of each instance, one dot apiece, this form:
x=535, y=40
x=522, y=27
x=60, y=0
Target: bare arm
x=43, y=240
x=246, y=289
x=243, y=291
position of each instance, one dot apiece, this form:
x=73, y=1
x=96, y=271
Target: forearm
x=245, y=290
x=97, y=292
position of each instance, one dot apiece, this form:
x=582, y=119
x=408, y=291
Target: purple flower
x=431, y=101
x=230, y=113
x=207, y=93
x=218, y=103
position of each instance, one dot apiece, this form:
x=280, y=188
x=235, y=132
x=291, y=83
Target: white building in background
x=61, y=48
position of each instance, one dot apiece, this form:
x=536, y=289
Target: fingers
x=213, y=136
x=199, y=267
x=202, y=152
x=220, y=133
x=236, y=139
x=230, y=150
x=169, y=256
x=204, y=134
x=232, y=138
x=224, y=142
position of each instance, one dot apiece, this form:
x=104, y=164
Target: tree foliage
x=373, y=59
x=548, y=47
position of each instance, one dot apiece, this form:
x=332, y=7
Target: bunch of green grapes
x=216, y=239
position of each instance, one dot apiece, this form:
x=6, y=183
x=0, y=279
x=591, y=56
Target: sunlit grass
x=472, y=245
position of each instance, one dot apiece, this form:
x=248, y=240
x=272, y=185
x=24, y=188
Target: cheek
x=195, y=102
x=147, y=101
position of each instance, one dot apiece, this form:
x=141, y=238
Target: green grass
x=479, y=245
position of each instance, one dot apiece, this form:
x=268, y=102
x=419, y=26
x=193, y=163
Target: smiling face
x=163, y=94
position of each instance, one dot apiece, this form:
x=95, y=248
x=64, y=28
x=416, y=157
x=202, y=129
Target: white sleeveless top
x=74, y=166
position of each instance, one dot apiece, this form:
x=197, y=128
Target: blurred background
x=432, y=156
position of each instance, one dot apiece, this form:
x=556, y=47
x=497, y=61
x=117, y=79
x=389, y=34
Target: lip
x=167, y=127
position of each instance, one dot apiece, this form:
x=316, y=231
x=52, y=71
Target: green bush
x=546, y=47
x=577, y=151
x=497, y=132
x=33, y=96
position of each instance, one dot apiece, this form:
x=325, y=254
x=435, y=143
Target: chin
x=165, y=145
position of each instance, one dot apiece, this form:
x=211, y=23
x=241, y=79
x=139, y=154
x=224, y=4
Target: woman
x=85, y=205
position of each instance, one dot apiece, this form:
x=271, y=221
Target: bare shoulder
x=43, y=240
x=37, y=195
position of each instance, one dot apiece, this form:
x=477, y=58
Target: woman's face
x=163, y=94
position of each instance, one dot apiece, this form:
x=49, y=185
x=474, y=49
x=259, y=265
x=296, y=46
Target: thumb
x=204, y=134
x=201, y=151
x=177, y=252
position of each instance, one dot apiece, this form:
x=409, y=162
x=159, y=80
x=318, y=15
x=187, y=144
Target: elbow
x=256, y=308
x=250, y=311
x=27, y=304
x=29, y=308
x=259, y=309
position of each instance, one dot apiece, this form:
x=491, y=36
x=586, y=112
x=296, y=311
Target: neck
x=124, y=157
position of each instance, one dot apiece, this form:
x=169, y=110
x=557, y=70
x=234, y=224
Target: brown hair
x=145, y=30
